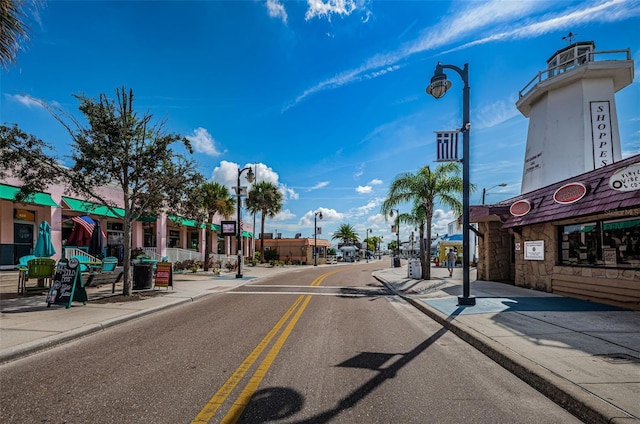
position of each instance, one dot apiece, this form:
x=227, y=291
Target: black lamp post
x=484, y=190
x=249, y=177
x=397, y=231
x=315, y=237
x=438, y=88
x=369, y=230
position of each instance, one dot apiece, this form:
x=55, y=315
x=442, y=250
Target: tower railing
x=572, y=64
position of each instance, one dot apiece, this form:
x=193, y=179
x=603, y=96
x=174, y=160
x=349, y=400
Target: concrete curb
x=566, y=394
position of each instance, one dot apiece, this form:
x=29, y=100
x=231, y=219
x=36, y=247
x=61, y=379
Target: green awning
x=182, y=221
x=147, y=218
x=216, y=227
x=621, y=224
x=92, y=208
x=43, y=199
x=247, y=234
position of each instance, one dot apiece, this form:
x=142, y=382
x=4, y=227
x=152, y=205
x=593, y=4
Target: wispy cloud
x=375, y=181
x=319, y=185
x=25, y=100
x=326, y=9
x=470, y=18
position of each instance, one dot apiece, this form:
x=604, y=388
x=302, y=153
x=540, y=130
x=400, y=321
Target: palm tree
x=215, y=199
x=423, y=189
x=346, y=233
x=265, y=198
x=13, y=30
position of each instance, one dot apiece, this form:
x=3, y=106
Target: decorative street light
x=369, y=230
x=438, y=88
x=484, y=190
x=249, y=177
x=315, y=237
x=397, y=234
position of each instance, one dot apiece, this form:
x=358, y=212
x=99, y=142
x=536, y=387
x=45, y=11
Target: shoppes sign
x=626, y=179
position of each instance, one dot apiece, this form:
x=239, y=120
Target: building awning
x=8, y=192
x=183, y=221
x=91, y=208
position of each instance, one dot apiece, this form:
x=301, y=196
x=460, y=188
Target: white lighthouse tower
x=573, y=123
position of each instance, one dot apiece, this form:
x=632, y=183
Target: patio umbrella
x=44, y=248
x=96, y=244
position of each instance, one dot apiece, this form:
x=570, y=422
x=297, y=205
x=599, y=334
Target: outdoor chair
x=23, y=271
x=41, y=269
x=109, y=264
x=84, y=260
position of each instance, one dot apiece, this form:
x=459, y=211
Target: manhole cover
x=618, y=358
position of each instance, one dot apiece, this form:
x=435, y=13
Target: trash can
x=396, y=262
x=142, y=276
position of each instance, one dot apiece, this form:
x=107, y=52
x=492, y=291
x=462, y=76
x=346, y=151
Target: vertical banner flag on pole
x=319, y=230
x=447, y=145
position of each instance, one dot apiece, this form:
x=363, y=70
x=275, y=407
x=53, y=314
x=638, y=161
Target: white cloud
x=227, y=174
x=328, y=215
x=275, y=9
x=363, y=189
x=375, y=181
x=26, y=100
x=441, y=220
x=203, y=142
x=284, y=215
x=321, y=184
x=326, y=8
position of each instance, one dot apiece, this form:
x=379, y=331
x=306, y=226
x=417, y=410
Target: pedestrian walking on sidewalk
x=451, y=261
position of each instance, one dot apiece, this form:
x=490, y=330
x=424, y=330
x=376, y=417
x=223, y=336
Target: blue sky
x=326, y=96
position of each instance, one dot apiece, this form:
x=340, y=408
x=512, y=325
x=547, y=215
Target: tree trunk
x=262, y=215
x=426, y=262
x=127, y=287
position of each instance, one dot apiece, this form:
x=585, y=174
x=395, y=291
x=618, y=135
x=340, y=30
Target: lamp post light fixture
x=315, y=236
x=484, y=190
x=438, y=88
x=250, y=176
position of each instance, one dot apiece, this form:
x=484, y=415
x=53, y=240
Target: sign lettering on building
x=601, y=134
x=626, y=179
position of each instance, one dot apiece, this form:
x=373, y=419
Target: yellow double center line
x=243, y=399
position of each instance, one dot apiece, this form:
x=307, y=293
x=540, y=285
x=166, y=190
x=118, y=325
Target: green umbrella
x=44, y=248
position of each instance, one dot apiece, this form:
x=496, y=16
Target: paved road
x=316, y=346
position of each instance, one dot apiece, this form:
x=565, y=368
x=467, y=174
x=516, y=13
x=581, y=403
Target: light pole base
x=466, y=301
x=238, y=275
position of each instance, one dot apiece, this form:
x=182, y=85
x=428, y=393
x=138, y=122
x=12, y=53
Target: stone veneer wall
x=494, y=252
x=536, y=274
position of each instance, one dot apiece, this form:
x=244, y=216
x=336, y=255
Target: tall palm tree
x=13, y=30
x=264, y=197
x=422, y=190
x=346, y=234
x=215, y=199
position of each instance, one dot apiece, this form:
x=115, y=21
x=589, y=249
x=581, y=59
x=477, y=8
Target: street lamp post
x=438, y=88
x=315, y=237
x=369, y=230
x=397, y=233
x=249, y=177
x=484, y=190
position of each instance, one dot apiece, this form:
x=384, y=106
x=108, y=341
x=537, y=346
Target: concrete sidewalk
x=584, y=356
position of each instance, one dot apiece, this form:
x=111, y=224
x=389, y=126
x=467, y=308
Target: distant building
x=297, y=250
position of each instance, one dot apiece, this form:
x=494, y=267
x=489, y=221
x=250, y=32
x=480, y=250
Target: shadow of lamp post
x=239, y=193
x=438, y=88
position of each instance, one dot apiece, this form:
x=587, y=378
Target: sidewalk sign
x=67, y=285
x=164, y=275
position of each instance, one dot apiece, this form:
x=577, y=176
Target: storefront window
x=174, y=238
x=601, y=243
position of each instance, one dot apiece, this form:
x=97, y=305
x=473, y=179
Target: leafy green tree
x=28, y=159
x=422, y=190
x=215, y=199
x=264, y=197
x=119, y=147
x=346, y=234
